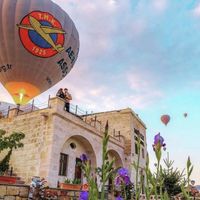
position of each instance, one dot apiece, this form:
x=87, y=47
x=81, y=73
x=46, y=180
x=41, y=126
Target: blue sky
x=142, y=54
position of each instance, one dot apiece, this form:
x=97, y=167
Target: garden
x=165, y=183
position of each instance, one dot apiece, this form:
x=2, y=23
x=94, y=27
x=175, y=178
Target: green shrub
x=9, y=142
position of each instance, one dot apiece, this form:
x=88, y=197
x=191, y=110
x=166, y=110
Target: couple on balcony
x=64, y=94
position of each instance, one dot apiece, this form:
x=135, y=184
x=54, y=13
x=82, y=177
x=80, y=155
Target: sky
x=141, y=54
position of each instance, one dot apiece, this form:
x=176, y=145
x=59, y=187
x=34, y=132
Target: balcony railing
x=74, y=109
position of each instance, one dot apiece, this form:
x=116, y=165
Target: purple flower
x=118, y=180
x=84, y=195
x=122, y=172
x=122, y=177
x=83, y=157
x=127, y=180
x=159, y=142
x=158, y=139
x=119, y=198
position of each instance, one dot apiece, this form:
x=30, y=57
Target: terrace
x=10, y=110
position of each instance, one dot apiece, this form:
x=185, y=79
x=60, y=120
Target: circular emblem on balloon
x=41, y=34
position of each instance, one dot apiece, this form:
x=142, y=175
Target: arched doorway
x=70, y=160
x=114, y=154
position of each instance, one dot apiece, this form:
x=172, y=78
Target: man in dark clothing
x=68, y=97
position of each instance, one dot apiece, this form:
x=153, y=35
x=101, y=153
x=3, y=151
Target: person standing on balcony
x=68, y=98
x=60, y=93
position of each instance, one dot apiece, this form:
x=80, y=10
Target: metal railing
x=74, y=109
x=4, y=110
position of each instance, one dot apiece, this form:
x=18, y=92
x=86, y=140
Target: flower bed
x=68, y=186
x=8, y=179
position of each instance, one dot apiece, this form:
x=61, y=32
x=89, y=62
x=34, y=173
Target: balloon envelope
x=39, y=45
x=185, y=114
x=165, y=119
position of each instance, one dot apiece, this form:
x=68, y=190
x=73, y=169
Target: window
x=136, y=131
x=142, y=143
x=142, y=153
x=63, y=164
x=136, y=139
x=140, y=136
x=73, y=145
x=78, y=170
x=136, y=148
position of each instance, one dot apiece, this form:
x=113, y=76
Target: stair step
x=20, y=182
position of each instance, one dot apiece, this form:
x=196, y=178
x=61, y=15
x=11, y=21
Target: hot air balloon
x=39, y=45
x=165, y=119
x=185, y=115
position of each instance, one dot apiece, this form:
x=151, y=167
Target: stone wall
x=32, y=159
x=118, y=120
x=124, y=121
x=46, y=133
x=60, y=194
x=136, y=124
x=68, y=128
x=13, y=192
x=21, y=192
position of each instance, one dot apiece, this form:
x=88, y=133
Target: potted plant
x=69, y=184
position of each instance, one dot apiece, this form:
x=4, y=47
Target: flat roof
x=125, y=109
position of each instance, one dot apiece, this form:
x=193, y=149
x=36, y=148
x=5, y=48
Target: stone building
x=55, y=139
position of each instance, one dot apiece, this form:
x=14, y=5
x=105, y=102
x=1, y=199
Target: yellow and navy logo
x=41, y=34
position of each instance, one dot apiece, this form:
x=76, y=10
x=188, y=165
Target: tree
x=172, y=178
x=9, y=142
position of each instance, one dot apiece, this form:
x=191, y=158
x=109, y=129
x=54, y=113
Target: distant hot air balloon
x=185, y=114
x=39, y=45
x=165, y=119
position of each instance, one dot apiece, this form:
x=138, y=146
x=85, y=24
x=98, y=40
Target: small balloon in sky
x=185, y=115
x=165, y=119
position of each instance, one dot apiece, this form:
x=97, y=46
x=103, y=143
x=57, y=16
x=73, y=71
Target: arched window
x=63, y=164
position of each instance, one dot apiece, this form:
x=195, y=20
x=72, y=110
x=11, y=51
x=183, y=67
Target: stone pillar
x=57, y=104
x=14, y=112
